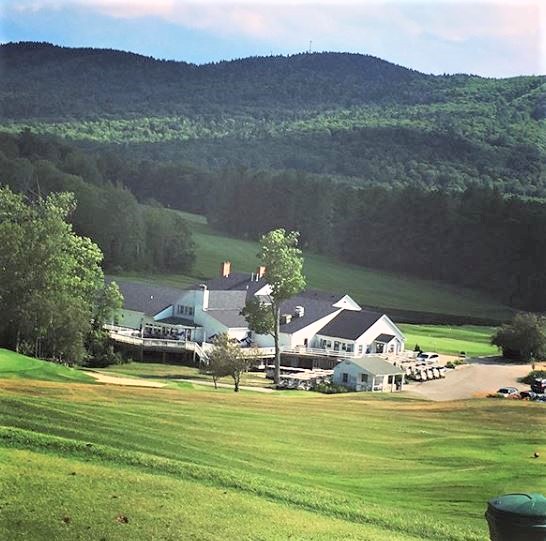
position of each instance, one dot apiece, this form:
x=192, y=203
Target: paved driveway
x=478, y=378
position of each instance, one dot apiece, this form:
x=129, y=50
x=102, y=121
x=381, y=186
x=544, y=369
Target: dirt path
x=227, y=385
x=128, y=382
x=476, y=379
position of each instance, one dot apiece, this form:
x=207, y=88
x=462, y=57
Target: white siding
x=382, y=326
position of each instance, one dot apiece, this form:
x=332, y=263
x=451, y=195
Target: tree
x=226, y=359
x=50, y=278
x=284, y=274
x=100, y=350
x=524, y=338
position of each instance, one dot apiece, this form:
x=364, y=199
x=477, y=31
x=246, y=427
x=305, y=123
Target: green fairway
x=14, y=365
x=134, y=463
x=369, y=287
x=473, y=340
x=169, y=372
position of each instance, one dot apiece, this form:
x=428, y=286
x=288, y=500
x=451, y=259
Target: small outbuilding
x=368, y=374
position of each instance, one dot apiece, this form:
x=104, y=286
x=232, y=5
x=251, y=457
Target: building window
x=364, y=378
x=344, y=377
x=360, y=349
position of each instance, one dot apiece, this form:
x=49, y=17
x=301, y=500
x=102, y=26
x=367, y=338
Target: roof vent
x=299, y=311
x=286, y=318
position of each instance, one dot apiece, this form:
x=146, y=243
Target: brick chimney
x=225, y=269
x=260, y=272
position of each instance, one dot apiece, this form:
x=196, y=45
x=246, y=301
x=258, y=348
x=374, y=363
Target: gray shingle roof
x=314, y=309
x=230, y=318
x=146, y=298
x=227, y=300
x=350, y=324
x=385, y=338
x=376, y=366
x=236, y=281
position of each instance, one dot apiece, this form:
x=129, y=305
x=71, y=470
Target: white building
x=313, y=321
x=368, y=374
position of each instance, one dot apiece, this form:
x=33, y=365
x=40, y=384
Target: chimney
x=225, y=269
x=205, y=302
x=260, y=272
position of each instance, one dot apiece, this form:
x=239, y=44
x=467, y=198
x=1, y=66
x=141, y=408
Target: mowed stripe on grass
x=328, y=467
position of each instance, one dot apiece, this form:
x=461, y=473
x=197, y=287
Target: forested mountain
x=373, y=163
x=350, y=117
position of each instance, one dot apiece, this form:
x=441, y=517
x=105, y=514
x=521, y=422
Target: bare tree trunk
x=236, y=382
x=215, y=379
x=277, y=375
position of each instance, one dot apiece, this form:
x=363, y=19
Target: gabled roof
x=146, y=298
x=350, y=324
x=374, y=365
x=315, y=308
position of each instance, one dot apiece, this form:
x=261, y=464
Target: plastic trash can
x=517, y=517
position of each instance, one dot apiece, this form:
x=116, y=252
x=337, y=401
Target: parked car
x=428, y=357
x=508, y=392
x=538, y=385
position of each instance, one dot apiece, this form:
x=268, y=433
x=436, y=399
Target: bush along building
x=318, y=328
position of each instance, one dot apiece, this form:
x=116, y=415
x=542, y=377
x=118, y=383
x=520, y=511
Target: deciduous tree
x=284, y=274
x=524, y=338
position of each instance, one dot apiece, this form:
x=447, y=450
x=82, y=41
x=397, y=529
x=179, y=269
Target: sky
x=486, y=37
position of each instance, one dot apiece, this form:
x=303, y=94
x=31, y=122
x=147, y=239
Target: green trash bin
x=517, y=517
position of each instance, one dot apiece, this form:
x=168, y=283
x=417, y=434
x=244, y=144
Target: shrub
x=534, y=374
x=330, y=388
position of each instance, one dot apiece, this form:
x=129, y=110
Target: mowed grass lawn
x=170, y=372
x=473, y=340
x=82, y=461
x=367, y=286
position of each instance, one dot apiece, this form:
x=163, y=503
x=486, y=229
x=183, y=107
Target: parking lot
x=477, y=378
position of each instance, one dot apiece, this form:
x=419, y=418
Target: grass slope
x=15, y=365
x=370, y=287
x=199, y=464
x=473, y=340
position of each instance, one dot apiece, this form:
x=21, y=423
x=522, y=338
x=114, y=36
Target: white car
x=508, y=392
x=428, y=357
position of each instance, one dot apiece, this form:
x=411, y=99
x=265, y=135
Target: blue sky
x=489, y=37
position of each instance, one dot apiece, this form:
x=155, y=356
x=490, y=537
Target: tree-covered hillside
x=350, y=117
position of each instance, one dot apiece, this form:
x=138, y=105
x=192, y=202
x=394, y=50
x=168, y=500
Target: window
x=360, y=349
x=391, y=379
x=350, y=348
x=344, y=377
x=364, y=378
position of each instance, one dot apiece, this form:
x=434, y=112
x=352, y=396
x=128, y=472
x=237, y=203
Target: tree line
x=130, y=235
x=478, y=237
